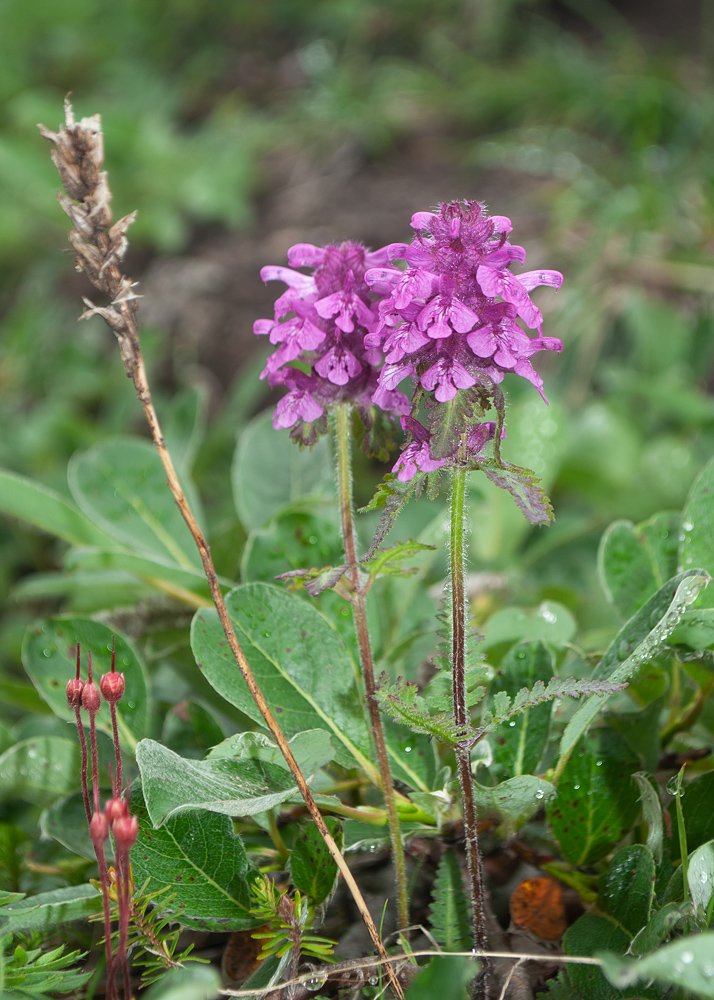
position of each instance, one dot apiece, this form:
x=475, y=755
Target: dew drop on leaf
x=703, y=877
x=47, y=652
x=687, y=957
x=314, y=984
x=539, y=793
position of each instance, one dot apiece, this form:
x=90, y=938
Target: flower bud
x=91, y=698
x=112, y=687
x=125, y=831
x=115, y=809
x=75, y=687
x=98, y=828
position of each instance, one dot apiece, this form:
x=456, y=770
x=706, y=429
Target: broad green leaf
x=697, y=799
x=661, y=536
x=173, y=784
x=66, y=822
x=518, y=745
x=662, y=924
x=292, y=540
x=49, y=657
x=626, y=570
x=550, y=622
x=688, y=963
x=651, y=813
x=200, y=861
x=513, y=802
x=700, y=874
x=269, y=472
x=161, y=574
x=40, y=770
x=450, y=910
x=190, y=982
x=311, y=865
x=696, y=629
x=312, y=749
x=412, y=756
x=641, y=729
x=183, y=422
x=120, y=484
x=697, y=539
x=30, y=501
x=444, y=977
x=636, y=642
x=596, y=803
x=627, y=887
x=299, y=662
x=190, y=730
x=588, y=936
x=49, y=910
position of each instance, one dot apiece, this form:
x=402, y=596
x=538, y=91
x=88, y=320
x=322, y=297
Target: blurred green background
x=589, y=122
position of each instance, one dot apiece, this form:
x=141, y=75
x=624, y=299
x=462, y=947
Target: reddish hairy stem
x=83, y=748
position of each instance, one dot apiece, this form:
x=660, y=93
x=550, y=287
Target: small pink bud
x=115, y=809
x=125, y=831
x=91, y=698
x=75, y=687
x=112, y=686
x=98, y=828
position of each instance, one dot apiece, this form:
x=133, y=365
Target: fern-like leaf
x=450, y=922
x=390, y=498
x=560, y=988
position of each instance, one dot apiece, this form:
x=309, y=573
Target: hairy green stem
x=359, y=614
x=459, y=627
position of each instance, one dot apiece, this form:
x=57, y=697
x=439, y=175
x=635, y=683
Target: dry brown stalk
x=78, y=155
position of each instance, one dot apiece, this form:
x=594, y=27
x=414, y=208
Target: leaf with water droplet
x=50, y=674
x=700, y=875
x=518, y=746
x=697, y=544
x=686, y=963
x=28, y=770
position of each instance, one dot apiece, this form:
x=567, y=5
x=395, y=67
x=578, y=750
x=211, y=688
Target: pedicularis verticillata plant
x=421, y=335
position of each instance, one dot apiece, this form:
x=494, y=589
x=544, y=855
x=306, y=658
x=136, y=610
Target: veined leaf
x=518, y=748
x=450, y=916
x=172, y=784
x=449, y=420
x=48, y=910
x=523, y=486
x=45, y=509
x=687, y=962
x=635, y=643
x=201, y=860
x=312, y=867
x=696, y=548
x=299, y=662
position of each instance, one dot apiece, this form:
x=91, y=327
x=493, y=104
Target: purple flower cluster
x=321, y=322
x=449, y=319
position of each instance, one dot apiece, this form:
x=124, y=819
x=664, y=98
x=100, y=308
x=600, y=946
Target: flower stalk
x=459, y=636
x=100, y=246
x=359, y=615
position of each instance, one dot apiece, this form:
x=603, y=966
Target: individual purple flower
x=450, y=319
x=324, y=321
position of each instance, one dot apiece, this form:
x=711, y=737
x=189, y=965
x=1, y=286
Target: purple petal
x=382, y=279
x=263, y=326
x=532, y=279
x=338, y=366
x=306, y=255
x=297, y=405
x=482, y=342
x=275, y=272
x=423, y=220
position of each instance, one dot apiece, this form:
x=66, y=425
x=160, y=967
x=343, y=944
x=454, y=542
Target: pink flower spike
x=447, y=376
x=339, y=365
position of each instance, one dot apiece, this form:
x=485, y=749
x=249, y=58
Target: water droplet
x=44, y=629
x=598, y=763
x=407, y=749
x=373, y=848
x=125, y=661
x=687, y=525
x=708, y=971
x=547, y=614
x=702, y=877
x=539, y=793
x=687, y=957
x=576, y=787
x=267, y=635
x=520, y=655
x=131, y=704
x=511, y=724
x=32, y=754
x=623, y=649
x=672, y=786
x=313, y=539
x=373, y=981
x=47, y=652
x=314, y=984
x=109, y=647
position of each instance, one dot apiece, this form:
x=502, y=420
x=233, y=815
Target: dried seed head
x=125, y=830
x=98, y=828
